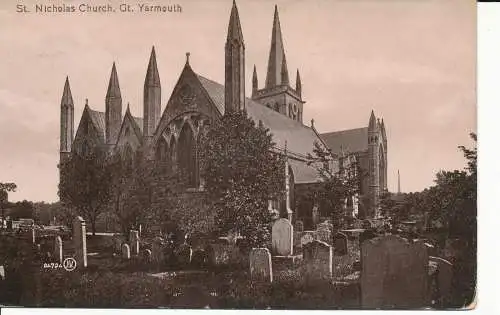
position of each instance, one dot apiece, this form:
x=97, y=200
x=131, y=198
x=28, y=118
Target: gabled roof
x=347, y=141
x=99, y=121
x=299, y=138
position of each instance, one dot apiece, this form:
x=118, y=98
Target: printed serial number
x=52, y=265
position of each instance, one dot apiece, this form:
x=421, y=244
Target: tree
x=339, y=182
x=242, y=172
x=5, y=188
x=85, y=184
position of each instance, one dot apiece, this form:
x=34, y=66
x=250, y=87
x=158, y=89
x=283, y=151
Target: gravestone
x=157, y=250
x=147, y=255
x=308, y=237
x=394, y=273
x=444, y=275
x=340, y=244
x=299, y=226
x=315, y=215
x=2, y=273
x=134, y=242
x=125, y=251
x=261, y=268
x=282, y=237
x=58, y=249
x=318, y=259
x=80, y=241
x=200, y=258
x=184, y=255
x=33, y=234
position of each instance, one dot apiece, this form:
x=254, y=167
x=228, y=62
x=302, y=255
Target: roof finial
x=312, y=122
x=86, y=102
x=187, y=57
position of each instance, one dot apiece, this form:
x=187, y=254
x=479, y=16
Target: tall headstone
x=134, y=242
x=315, y=214
x=58, y=249
x=125, y=251
x=282, y=237
x=33, y=234
x=261, y=268
x=444, y=275
x=157, y=250
x=340, y=244
x=80, y=241
x=394, y=273
x=318, y=259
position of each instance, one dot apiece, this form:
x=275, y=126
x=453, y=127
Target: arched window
x=162, y=150
x=173, y=152
x=186, y=156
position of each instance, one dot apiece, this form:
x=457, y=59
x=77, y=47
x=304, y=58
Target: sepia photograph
x=238, y=154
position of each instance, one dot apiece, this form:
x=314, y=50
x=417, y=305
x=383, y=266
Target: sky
x=412, y=61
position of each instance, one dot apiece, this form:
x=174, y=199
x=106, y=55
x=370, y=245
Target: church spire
x=255, y=81
x=234, y=31
x=373, y=122
x=298, y=84
x=234, y=94
x=67, y=119
x=67, y=98
x=399, y=184
x=113, y=113
x=277, y=71
x=152, y=96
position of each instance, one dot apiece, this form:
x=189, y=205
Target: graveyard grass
x=110, y=281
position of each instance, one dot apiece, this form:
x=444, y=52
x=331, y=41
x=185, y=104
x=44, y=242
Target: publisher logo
x=69, y=264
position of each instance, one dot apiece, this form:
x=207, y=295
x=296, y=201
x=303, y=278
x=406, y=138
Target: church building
x=172, y=135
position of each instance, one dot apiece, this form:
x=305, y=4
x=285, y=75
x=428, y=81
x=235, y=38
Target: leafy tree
x=242, y=171
x=5, y=188
x=339, y=182
x=85, y=184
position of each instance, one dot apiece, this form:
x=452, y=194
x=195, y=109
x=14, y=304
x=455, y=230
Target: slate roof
x=299, y=138
x=348, y=141
x=303, y=173
x=99, y=120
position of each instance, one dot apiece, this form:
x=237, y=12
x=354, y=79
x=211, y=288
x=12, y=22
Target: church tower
x=67, y=121
x=152, y=97
x=277, y=93
x=373, y=165
x=113, y=108
x=234, y=64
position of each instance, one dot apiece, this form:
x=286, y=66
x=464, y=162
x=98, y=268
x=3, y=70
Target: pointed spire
x=255, y=81
x=234, y=32
x=113, y=86
x=152, y=75
x=298, y=84
x=86, y=102
x=277, y=72
x=67, y=98
x=399, y=184
x=373, y=121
